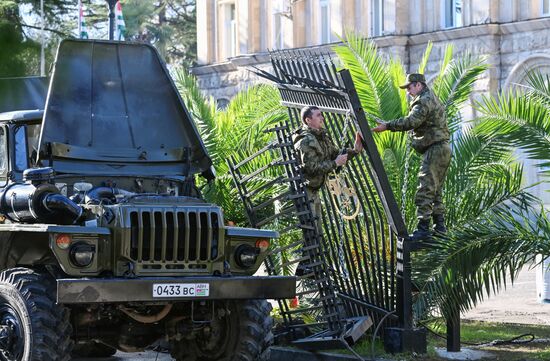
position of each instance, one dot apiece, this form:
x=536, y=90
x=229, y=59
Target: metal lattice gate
x=358, y=270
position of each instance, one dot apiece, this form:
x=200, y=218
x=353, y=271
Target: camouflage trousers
x=431, y=177
x=316, y=208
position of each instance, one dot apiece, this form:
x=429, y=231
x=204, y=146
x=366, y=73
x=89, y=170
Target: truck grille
x=167, y=235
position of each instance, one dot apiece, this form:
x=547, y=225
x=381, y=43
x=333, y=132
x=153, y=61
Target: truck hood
x=112, y=108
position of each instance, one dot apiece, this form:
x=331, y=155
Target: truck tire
x=34, y=327
x=93, y=349
x=244, y=334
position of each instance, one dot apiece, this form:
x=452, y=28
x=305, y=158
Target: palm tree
x=237, y=131
x=521, y=118
x=495, y=225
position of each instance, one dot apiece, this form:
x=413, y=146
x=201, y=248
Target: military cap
x=413, y=78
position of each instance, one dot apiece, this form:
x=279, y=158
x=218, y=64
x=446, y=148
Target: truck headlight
x=246, y=255
x=82, y=254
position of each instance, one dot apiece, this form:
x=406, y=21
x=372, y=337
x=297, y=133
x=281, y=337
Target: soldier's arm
x=335, y=152
x=311, y=159
x=413, y=120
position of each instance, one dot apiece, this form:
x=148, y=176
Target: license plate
x=181, y=290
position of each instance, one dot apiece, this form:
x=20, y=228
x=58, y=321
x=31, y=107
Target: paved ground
x=517, y=304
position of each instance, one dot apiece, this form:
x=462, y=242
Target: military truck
x=105, y=240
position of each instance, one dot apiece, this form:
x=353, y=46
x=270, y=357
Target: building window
x=228, y=29
x=545, y=7
x=452, y=13
x=377, y=17
x=326, y=30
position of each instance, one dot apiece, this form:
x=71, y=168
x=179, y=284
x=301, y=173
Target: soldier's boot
x=439, y=224
x=422, y=231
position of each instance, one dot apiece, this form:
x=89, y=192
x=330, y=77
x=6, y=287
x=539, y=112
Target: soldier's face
x=414, y=88
x=316, y=120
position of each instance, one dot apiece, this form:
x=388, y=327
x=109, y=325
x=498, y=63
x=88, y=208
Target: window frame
x=456, y=19
x=17, y=152
x=377, y=18
x=5, y=171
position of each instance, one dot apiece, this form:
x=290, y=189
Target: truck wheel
x=93, y=349
x=243, y=333
x=32, y=326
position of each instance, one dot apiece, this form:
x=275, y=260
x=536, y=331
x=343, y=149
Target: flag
x=120, y=26
x=82, y=31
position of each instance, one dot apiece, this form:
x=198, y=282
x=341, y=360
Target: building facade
x=234, y=35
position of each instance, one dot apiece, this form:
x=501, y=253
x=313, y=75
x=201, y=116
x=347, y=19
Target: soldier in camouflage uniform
x=319, y=154
x=428, y=122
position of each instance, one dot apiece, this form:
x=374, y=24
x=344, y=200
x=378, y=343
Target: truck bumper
x=155, y=289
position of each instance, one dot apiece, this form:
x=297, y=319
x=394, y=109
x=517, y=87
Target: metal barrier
x=359, y=267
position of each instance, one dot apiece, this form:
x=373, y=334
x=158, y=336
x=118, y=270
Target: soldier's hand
x=341, y=160
x=381, y=126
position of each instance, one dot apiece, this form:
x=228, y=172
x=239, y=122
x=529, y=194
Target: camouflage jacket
x=426, y=118
x=317, y=153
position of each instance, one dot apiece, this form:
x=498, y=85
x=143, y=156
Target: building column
x=243, y=25
x=339, y=21
x=262, y=25
x=494, y=10
x=256, y=10
x=299, y=16
x=206, y=24
x=402, y=17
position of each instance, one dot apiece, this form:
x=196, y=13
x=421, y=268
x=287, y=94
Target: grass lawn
x=477, y=332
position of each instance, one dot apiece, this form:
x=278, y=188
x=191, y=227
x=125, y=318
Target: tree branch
x=47, y=29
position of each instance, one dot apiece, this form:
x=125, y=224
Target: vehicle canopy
x=113, y=109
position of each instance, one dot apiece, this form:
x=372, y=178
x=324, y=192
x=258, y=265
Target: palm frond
x=454, y=85
x=371, y=76
x=201, y=108
x=478, y=257
x=240, y=128
x=538, y=86
x=497, y=183
x=425, y=57
x=472, y=150
x=483, y=172
x=520, y=121
x=236, y=132
x=397, y=73
x=447, y=57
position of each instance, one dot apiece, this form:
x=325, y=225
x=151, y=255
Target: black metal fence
x=358, y=269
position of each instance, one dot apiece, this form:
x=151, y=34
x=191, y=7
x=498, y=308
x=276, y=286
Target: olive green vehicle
x=105, y=240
